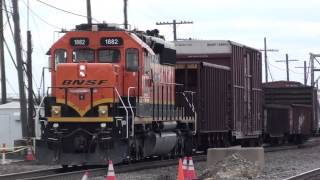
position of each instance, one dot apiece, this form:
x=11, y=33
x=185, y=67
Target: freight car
x=242, y=97
x=112, y=96
x=210, y=82
x=290, y=112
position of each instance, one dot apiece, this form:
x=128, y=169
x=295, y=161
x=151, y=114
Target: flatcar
x=112, y=96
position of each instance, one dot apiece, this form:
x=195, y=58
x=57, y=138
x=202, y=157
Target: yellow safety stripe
x=80, y=119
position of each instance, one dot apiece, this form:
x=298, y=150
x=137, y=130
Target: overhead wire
x=12, y=88
x=269, y=70
x=39, y=17
x=8, y=18
x=8, y=48
x=69, y=12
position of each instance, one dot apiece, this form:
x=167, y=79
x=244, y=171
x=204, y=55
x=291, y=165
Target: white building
x=10, y=124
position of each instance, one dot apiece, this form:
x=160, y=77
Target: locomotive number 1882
x=111, y=41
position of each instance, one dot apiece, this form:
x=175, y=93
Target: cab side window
x=132, y=59
x=60, y=56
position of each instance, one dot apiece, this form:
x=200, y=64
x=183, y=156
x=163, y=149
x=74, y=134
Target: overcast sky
x=292, y=26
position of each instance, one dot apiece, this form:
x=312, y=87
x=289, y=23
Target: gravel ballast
x=278, y=165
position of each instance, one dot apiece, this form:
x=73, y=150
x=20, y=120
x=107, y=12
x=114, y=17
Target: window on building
x=132, y=59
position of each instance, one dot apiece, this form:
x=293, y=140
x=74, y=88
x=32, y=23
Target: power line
x=266, y=58
x=174, y=23
x=270, y=72
x=287, y=64
x=69, y=12
x=39, y=17
x=8, y=19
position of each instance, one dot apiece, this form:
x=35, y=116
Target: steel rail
x=52, y=174
x=309, y=175
x=77, y=173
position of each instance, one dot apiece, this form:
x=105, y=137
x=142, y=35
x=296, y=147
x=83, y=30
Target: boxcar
x=212, y=108
x=288, y=93
x=287, y=122
x=245, y=117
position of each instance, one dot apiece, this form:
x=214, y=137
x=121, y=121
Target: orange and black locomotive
x=113, y=96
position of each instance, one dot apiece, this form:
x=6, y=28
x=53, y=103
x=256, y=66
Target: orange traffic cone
x=29, y=156
x=85, y=176
x=191, y=173
x=180, y=171
x=111, y=175
x=185, y=166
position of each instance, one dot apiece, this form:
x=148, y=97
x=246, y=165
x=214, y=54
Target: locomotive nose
x=80, y=143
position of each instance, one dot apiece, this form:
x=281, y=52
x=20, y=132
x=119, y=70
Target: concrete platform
x=253, y=154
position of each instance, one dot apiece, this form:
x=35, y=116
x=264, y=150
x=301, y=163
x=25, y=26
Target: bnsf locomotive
x=113, y=96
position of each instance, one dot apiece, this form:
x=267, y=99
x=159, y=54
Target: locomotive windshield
x=83, y=55
x=109, y=55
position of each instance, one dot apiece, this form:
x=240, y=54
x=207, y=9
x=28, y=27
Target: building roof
x=10, y=105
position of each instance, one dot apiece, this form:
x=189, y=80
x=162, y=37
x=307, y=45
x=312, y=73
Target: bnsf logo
x=84, y=82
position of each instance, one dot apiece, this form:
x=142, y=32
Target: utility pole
x=17, y=42
x=125, y=12
x=304, y=72
x=313, y=69
x=89, y=17
x=265, y=50
x=174, y=23
x=2, y=63
x=287, y=64
x=31, y=123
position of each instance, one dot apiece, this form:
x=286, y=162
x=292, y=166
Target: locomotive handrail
x=132, y=121
x=125, y=108
x=37, y=118
x=192, y=108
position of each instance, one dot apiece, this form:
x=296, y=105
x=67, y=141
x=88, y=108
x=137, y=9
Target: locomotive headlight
x=82, y=70
x=56, y=111
x=103, y=125
x=55, y=125
x=103, y=111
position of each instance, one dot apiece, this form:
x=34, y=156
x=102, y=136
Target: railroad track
x=77, y=173
x=59, y=173
x=309, y=175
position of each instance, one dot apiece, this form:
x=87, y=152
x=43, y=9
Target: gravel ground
x=23, y=166
x=278, y=165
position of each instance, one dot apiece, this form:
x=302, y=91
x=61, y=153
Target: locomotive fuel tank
x=159, y=143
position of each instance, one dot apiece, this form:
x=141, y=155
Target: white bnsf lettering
x=79, y=42
x=84, y=82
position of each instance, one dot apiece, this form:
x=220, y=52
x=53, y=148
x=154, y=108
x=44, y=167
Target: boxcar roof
x=207, y=46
